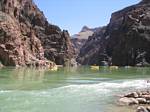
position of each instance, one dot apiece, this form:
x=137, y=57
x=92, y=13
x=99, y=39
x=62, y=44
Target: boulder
x=128, y=101
x=148, y=108
x=141, y=100
x=147, y=97
x=141, y=109
x=133, y=95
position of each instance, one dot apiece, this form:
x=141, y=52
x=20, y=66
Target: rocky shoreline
x=140, y=99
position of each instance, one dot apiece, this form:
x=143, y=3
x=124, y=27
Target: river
x=69, y=89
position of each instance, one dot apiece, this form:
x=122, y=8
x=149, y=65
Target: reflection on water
x=22, y=74
x=69, y=89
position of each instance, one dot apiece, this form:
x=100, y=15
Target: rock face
x=90, y=52
x=126, y=40
x=85, y=32
x=78, y=44
x=128, y=35
x=79, y=39
x=27, y=38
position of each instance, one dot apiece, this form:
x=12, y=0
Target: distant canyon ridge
x=28, y=39
x=80, y=39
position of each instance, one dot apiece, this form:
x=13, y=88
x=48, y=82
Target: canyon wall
x=27, y=38
x=126, y=40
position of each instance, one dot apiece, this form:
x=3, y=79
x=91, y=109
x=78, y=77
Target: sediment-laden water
x=68, y=89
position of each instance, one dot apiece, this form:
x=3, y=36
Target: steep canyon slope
x=27, y=38
x=126, y=40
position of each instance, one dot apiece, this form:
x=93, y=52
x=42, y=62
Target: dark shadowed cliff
x=126, y=40
x=128, y=35
x=27, y=38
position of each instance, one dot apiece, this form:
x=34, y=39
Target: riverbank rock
x=128, y=101
x=135, y=98
x=140, y=99
x=142, y=109
x=133, y=95
x=26, y=37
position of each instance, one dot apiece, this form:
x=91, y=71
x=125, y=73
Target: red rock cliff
x=27, y=37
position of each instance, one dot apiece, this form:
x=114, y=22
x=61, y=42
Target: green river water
x=68, y=89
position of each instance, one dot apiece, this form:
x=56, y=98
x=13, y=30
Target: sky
x=72, y=15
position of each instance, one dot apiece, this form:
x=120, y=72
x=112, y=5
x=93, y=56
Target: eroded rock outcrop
x=27, y=38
